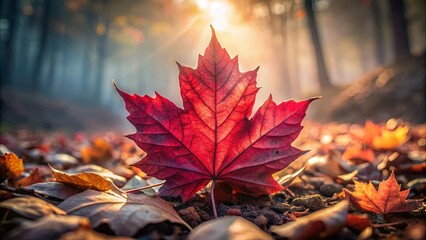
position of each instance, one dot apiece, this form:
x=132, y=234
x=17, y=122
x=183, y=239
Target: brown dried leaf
x=322, y=223
x=31, y=207
x=125, y=214
x=50, y=227
x=230, y=228
x=55, y=189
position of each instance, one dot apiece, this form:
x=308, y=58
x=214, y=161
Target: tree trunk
x=324, y=80
x=378, y=35
x=45, y=28
x=400, y=34
x=6, y=73
x=102, y=54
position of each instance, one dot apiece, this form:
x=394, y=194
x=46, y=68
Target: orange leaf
x=10, y=166
x=33, y=178
x=386, y=199
x=99, y=152
x=356, y=153
x=83, y=180
x=381, y=137
x=390, y=139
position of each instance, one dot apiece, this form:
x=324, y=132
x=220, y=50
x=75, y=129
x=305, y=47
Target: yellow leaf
x=390, y=139
x=83, y=180
x=11, y=166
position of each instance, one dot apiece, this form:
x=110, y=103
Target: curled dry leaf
x=124, y=214
x=105, y=173
x=212, y=138
x=83, y=180
x=31, y=207
x=137, y=182
x=33, y=178
x=322, y=223
x=55, y=189
x=286, y=180
x=50, y=227
x=10, y=166
x=386, y=199
x=228, y=228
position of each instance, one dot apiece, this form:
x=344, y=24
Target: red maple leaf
x=386, y=199
x=212, y=138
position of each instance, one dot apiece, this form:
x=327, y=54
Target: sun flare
x=218, y=12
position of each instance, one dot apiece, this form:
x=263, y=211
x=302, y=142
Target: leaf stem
x=212, y=197
x=144, y=187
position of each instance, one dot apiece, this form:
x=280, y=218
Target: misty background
x=58, y=57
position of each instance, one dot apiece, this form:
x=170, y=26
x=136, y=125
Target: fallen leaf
x=83, y=180
x=124, y=214
x=381, y=137
x=10, y=166
x=55, y=189
x=137, y=182
x=228, y=228
x=212, y=138
x=386, y=199
x=358, y=221
x=31, y=207
x=286, y=180
x=390, y=139
x=88, y=234
x=103, y=172
x=100, y=151
x=319, y=224
x=50, y=227
x=33, y=178
x=357, y=153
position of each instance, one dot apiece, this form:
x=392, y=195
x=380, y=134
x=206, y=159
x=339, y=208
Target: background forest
x=58, y=57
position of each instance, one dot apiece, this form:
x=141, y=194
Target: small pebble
x=328, y=190
x=261, y=221
x=190, y=215
x=234, y=212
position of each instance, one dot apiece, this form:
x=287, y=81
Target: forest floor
x=339, y=154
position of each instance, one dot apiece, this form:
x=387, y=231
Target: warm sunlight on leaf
x=386, y=199
x=83, y=180
x=212, y=138
x=10, y=166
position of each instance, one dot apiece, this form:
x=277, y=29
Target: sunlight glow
x=218, y=12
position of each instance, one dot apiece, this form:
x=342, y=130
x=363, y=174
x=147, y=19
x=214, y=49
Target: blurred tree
x=42, y=48
x=378, y=35
x=7, y=52
x=323, y=77
x=400, y=34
